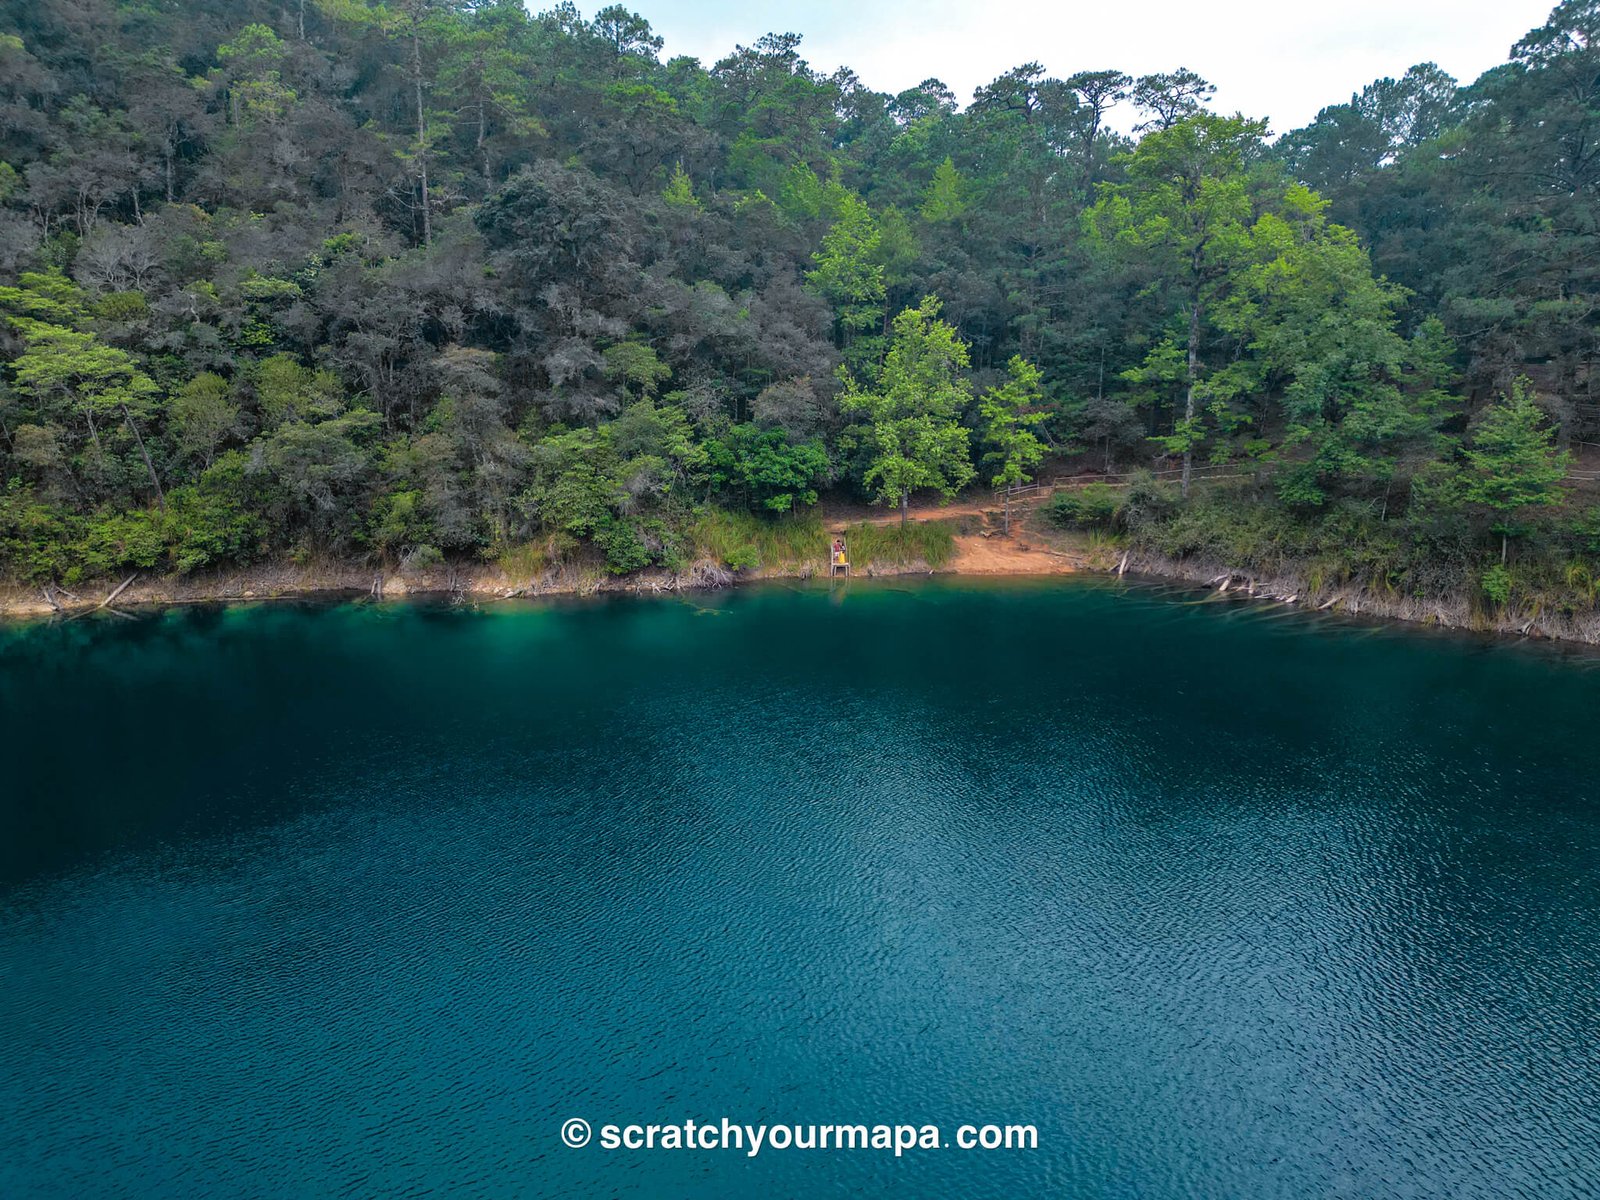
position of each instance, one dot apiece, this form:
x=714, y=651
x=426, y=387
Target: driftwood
x=1328, y=603
x=1122, y=566
x=50, y=600
x=120, y=588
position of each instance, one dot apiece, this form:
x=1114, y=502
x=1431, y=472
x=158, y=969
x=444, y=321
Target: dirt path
x=986, y=550
x=917, y=512
x=1016, y=555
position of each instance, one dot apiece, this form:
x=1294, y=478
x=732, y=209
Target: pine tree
x=1008, y=427
x=1514, y=464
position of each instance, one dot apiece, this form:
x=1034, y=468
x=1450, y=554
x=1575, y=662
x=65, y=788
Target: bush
x=215, y=521
x=1093, y=506
x=35, y=536
x=114, y=541
x=621, y=545
x=1497, y=585
x=1146, y=500
x=743, y=558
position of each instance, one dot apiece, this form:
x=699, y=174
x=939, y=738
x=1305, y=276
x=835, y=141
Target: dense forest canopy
x=432, y=278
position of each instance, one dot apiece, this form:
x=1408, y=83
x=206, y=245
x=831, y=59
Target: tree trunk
x=1008, y=512
x=422, y=126
x=161, y=497
x=1504, y=538
x=483, y=153
x=1188, y=400
x=905, y=507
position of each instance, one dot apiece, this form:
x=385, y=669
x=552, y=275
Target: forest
x=433, y=280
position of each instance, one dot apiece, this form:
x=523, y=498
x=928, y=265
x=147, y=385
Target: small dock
x=838, y=556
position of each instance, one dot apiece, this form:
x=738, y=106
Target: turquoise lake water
x=1225, y=902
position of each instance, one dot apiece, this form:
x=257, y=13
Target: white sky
x=1271, y=58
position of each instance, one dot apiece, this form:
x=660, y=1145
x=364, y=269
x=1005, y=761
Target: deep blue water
x=368, y=901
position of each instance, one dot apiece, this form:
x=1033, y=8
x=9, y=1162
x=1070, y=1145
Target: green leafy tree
x=202, y=416
x=1356, y=397
x=251, y=78
x=1185, y=215
x=911, y=414
x=285, y=390
x=96, y=381
x=636, y=367
x=765, y=468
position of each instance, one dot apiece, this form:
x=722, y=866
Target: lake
x=1223, y=901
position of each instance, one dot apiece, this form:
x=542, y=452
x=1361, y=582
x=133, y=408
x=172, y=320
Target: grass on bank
x=1415, y=557
x=746, y=541
x=931, y=542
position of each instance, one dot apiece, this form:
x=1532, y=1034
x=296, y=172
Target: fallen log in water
x=120, y=588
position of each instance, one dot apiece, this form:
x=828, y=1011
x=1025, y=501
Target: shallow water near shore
x=302, y=900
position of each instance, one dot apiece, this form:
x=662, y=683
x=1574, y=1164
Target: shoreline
x=1293, y=590
x=489, y=583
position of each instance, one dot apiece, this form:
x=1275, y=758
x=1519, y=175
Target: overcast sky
x=1269, y=58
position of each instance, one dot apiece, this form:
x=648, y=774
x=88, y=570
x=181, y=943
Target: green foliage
x=679, y=192
x=287, y=391
x=847, y=274
x=203, y=416
x=1093, y=506
x=36, y=537
x=217, y=520
x=399, y=523
x=945, y=199
x=762, y=467
x=1514, y=467
x=1496, y=583
x=915, y=542
x=114, y=541
x=620, y=541
x=636, y=367
x=1009, y=414
x=507, y=282
x=910, y=415
x=746, y=541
